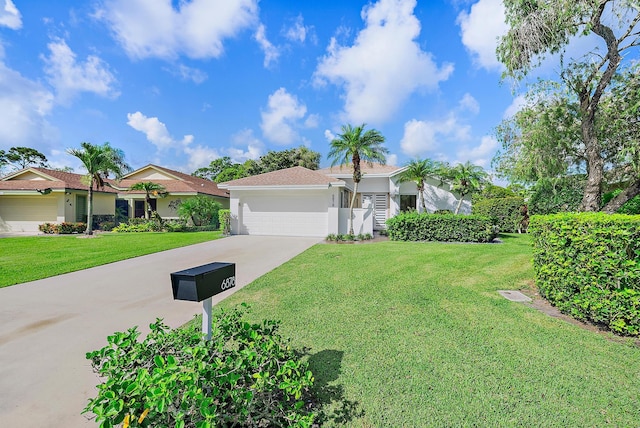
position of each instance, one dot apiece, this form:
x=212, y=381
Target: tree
x=353, y=146
x=99, y=161
x=540, y=28
x=465, y=179
x=201, y=210
x=277, y=160
x=23, y=157
x=221, y=170
x=149, y=188
x=418, y=171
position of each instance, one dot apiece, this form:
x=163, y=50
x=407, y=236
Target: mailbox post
x=200, y=283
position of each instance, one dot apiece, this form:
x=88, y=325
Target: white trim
x=284, y=187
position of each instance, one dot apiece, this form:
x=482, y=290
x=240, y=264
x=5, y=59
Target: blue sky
x=181, y=83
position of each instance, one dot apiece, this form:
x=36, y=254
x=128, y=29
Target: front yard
x=30, y=258
x=415, y=334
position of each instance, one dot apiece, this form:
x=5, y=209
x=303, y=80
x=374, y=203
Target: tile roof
x=184, y=184
x=374, y=168
x=296, y=176
x=59, y=180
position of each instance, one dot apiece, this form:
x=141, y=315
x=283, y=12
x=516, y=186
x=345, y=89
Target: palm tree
x=355, y=145
x=99, y=162
x=418, y=171
x=149, y=188
x=465, y=179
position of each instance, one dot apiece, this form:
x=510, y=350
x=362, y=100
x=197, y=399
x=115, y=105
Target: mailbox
x=200, y=283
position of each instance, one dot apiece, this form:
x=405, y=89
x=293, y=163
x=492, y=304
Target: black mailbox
x=199, y=283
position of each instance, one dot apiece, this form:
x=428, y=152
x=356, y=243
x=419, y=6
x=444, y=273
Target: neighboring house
x=33, y=196
x=179, y=187
x=301, y=202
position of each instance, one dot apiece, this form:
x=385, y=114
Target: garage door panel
x=24, y=214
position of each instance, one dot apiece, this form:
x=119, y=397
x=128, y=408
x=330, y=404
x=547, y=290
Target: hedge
x=588, y=265
x=505, y=212
x=64, y=228
x=412, y=226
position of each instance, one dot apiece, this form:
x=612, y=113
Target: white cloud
x=312, y=121
x=515, y=106
x=468, y=103
x=280, y=119
x=70, y=77
x=25, y=105
x=421, y=137
x=155, y=131
x=187, y=73
x=245, y=138
x=392, y=159
x=383, y=66
x=271, y=53
x=297, y=32
x=10, y=16
x=481, y=154
x=330, y=136
x=197, y=29
x=480, y=29
x=199, y=156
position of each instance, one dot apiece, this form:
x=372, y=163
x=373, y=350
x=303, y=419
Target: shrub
x=107, y=225
x=588, y=265
x=137, y=226
x=200, y=210
x=331, y=237
x=504, y=212
x=412, y=226
x=224, y=219
x=64, y=228
x=246, y=375
x=551, y=196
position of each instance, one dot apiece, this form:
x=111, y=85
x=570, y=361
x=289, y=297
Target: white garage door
x=25, y=214
x=284, y=215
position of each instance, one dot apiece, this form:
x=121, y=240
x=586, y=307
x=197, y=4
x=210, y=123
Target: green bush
x=224, y=219
x=551, y=196
x=504, y=212
x=412, y=226
x=246, y=375
x=64, y=228
x=138, y=226
x=588, y=265
x=107, y=225
x=200, y=210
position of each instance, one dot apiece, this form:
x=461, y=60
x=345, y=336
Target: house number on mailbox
x=228, y=283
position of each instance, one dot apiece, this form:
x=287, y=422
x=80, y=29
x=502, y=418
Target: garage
x=26, y=213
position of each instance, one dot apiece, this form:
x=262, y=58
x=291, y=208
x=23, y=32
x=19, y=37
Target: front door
x=380, y=207
x=81, y=209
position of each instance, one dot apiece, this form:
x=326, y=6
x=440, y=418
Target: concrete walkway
x=47, y=326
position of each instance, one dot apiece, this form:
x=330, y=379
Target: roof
x=366, y=168
x=42, y=178
x=296, y=176
x=173, y=181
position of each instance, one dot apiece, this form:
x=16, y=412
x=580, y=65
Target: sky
x=181, y=83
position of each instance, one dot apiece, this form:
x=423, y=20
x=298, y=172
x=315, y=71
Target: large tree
x=277, y=160
x=353, y=146
x=465, y=179
x=418, y=171
x=23, y=157
x=221, y=170
x=150, y=189
x=539, y=28
x=99, y=161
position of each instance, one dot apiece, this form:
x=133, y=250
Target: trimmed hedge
x=412, y=226
x=63, y=228
x=588, y=266
x=505, y=212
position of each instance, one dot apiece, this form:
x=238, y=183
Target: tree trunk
x=595, y=168
x=147, y=208
x=353, y=201
x=459, y=204
x=421, y=198
x=630, y=192
x=89, y=229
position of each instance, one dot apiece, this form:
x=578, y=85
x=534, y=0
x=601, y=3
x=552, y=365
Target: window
x=408, y=202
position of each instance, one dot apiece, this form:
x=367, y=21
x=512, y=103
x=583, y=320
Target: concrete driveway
x=47, y=326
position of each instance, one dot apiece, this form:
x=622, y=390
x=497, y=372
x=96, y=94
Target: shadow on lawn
x=333, y=407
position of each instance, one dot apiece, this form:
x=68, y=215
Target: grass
x=415, y=334
x=30, y=258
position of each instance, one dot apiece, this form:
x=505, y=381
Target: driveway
x=47, y=326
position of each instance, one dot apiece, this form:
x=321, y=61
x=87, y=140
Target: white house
x=300, y=202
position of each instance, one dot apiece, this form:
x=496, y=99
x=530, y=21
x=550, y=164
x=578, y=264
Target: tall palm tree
x=99, y=161
x=353, y=146
x=149, y=188
x=418, y=171
x=465, y=179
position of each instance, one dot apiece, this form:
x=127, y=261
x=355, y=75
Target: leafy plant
x=224, y=218
x=413, y=226
x=246, y=375
x=505, y=213
x=63, y=228
x=200, y=210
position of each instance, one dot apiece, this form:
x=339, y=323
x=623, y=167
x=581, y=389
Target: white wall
x=362, y=220
x=436, y=197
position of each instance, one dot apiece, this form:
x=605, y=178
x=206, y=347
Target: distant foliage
x=557, y=195
x=506, y=213
x=64, y=228
x=246, y=375
x=588, y=265
x=411, y=226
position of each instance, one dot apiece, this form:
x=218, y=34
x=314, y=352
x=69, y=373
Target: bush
x=200, y=210
x=504, y=212
x=224, y=219
x=551, y=196
x=64, y=228
x=107, y=226
x=588, y=265
x=246, y=375
x=412, y=226
x=137, y=226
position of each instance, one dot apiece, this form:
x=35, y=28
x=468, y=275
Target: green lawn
x=25, y=259
x=415, y=334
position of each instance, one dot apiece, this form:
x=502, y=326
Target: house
x=301, y=202
x=34, y=196
x=179, y=186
